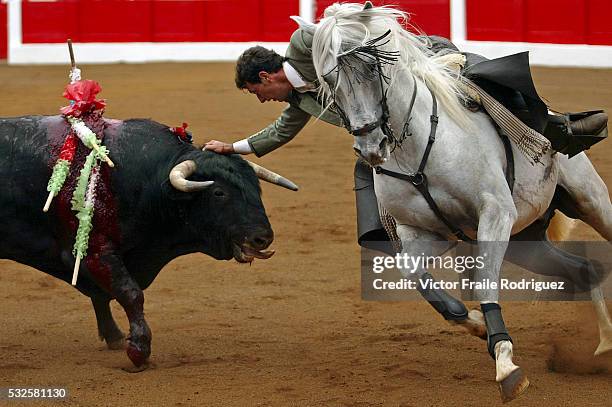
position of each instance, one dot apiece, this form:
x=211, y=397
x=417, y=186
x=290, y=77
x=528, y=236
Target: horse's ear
x=305, y=25
x=367, y=5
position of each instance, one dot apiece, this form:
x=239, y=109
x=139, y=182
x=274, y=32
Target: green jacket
x=301, y=105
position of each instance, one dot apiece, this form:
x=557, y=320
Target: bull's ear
x=307, y=26
x=367, y=5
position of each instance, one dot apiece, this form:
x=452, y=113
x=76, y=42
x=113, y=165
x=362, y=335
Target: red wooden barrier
x=115, y=21
x=49, y=22
x=275, y=22
x=3, y=31
x=158, y=20
x=430, y=16
x=232, y=20
x=178, y=21
x=544, y=21
x=553, y=21
x=502, y=20
x=599, y=14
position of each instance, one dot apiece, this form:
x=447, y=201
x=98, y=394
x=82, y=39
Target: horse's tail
x=560, y=227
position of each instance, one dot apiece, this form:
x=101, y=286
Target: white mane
x=351, y=24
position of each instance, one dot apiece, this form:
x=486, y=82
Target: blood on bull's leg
x=106, y=266
x=107, y=328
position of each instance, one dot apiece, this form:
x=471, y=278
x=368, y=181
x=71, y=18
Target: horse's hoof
x=605, y=346
x=136, y=355
x=475, y=324
x=513, y=386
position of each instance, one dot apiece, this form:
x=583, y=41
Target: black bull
x=141, y=220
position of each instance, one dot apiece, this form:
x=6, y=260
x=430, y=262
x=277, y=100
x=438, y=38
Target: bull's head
x=226, y=204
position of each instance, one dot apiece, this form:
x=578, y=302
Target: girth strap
x=419, y=180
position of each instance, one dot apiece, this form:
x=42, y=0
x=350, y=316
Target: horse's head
x=358, y=52
x=359, y=94
x=351, y=56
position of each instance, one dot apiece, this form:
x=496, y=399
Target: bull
x=163, y=199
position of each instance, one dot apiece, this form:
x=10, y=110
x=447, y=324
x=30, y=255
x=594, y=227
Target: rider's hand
x=219, y=147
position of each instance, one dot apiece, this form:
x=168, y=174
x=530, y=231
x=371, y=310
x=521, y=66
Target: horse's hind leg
x=604, y=322
x=588, y=196
x=538, y=255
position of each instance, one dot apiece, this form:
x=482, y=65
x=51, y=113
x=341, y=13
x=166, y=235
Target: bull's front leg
x=126, y=291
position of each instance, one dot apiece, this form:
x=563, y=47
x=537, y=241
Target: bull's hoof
x=513, y=386
x=136, y=355
x=138, y=369
x=117, y=344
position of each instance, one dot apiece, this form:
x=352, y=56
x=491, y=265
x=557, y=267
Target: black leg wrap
x=496, y=329
x=449, y=307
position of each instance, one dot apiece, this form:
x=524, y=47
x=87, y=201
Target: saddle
x=568, y=133
x=508, y=81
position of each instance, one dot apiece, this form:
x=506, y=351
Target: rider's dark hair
x=254, y=60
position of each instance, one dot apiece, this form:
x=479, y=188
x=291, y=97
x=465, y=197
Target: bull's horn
x=179, y=174
x=267, y=175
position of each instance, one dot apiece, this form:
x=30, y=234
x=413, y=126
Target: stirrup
x=562, y=140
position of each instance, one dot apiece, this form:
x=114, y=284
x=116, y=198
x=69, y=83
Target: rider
x=292, y=79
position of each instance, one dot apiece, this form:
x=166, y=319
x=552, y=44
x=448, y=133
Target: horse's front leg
x=418, y=242
x=496, y=218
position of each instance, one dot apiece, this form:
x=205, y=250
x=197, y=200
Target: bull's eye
x=219, y=193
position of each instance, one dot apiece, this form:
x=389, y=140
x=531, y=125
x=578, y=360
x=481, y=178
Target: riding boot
x=572, y=133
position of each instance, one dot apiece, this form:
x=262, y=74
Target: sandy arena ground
x=292, y=330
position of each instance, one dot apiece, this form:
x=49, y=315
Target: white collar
x=294, y=78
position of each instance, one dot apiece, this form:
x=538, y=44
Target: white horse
x=362, y=55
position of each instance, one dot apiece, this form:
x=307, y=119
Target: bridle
x=372, y=51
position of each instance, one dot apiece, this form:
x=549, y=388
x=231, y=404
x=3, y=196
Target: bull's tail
x=560, y=227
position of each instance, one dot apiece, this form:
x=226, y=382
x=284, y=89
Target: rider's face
x=273, y=86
